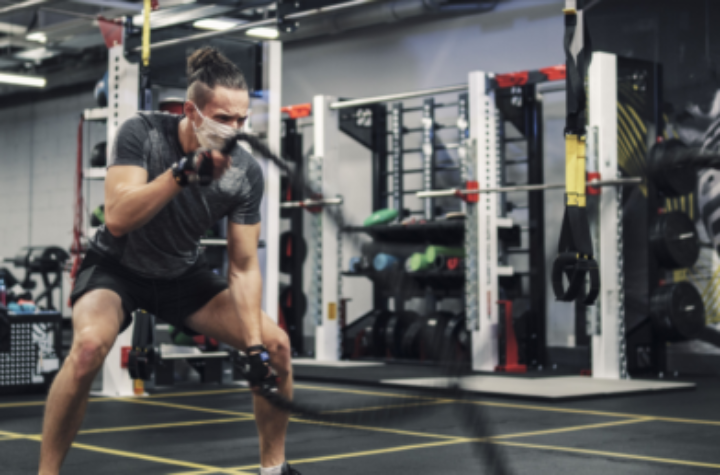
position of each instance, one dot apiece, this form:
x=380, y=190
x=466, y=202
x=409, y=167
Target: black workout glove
x=194, y=167
x=254, y=365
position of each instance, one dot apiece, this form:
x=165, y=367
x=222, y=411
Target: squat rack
x=482, y=156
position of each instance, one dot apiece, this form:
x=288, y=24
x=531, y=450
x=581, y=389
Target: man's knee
x=279, y=348
x=88, y=353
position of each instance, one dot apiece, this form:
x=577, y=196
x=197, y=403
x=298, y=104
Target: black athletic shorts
x=172, y=300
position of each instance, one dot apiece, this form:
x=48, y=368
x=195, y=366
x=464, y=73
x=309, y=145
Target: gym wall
x=38, y=143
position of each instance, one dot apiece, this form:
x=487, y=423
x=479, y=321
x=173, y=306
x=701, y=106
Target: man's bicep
x=120, y=179
x=242, y=244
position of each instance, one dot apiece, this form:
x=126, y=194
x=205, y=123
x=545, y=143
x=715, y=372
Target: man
x=146, y=256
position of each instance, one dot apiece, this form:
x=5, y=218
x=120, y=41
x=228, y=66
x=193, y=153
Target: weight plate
x=378, y=333
x=669, y=174
x=364, y=343
x=394, y=331
x=393, y=336
x=292, y=250
x=455, y=339
x=677, y=311
x=433, y=335
x=675, y=241
x=411, y=339
x=293, y=311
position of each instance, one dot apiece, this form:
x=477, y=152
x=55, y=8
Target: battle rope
x=473, y=415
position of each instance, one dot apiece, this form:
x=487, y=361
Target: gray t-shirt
x=167, y=245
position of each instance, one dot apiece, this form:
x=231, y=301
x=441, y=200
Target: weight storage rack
x=494, y=138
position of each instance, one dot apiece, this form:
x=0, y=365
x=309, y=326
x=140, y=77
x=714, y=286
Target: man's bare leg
x=97, y=317
x=217, y=320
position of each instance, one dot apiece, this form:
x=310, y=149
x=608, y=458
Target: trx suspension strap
x=145, y=86
x=575, y=250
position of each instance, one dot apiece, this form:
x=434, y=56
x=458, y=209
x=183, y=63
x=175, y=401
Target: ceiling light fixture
x=22, y=80
x=217, y=24
x=38, y=36
x=264, y=33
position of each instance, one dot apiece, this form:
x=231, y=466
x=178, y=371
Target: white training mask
x=212, y=134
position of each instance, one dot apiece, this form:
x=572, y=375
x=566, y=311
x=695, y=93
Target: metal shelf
x=439, y=232
x=95, y=173
x=414, y=283
x=96, y=114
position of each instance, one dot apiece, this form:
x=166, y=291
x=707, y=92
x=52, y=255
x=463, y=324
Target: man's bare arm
x=130, y=201
x=245, y=279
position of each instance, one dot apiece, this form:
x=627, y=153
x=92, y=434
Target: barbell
x=312, y=205
x=470, y=191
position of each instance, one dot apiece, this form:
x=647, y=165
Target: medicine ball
x=98, y=158
x=101, y=91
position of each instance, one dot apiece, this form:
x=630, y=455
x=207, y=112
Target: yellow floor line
x=375, y=429
x=151, y=396
x=387, y=450
x=365, y=453
x=199, y=393
x=293, y=419
x=361, y=392
x=390, y=406
x=569, y=429
x=449, y=441
x=525, y=407
x=686, y=421
x=161, y=426
x=22, y=404
x=396, y=395
x=593, y=413
x=609, y=454
x=134, y=455
x=249, y=415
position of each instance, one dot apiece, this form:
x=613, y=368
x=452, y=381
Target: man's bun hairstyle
x=208, y=68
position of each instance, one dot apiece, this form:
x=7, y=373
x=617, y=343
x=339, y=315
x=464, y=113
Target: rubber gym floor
x=203, y=429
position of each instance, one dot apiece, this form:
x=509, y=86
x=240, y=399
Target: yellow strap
x=147, y=6
x=581, y=177
x=571, y=163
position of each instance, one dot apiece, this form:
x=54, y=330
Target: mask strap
x=197, y=109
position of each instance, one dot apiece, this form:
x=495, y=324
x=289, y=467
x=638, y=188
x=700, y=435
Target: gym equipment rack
x=483, y=107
